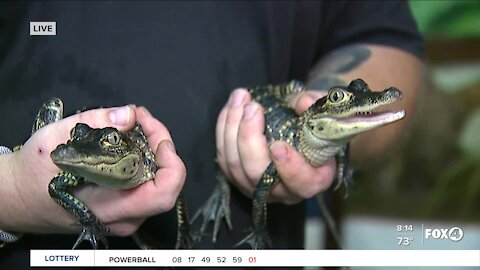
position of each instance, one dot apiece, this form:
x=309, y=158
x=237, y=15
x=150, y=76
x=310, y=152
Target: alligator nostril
x=394, y=92
x=61, y=151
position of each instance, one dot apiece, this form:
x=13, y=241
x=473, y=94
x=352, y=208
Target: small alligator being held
x=106, y=157
x=320, y=133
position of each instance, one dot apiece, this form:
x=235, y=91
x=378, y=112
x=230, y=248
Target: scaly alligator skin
x=106, y=157
x=320, y=133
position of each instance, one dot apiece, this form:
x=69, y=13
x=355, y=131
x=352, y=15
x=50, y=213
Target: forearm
x=11, y=206
x=21, y=199
x=381, y=67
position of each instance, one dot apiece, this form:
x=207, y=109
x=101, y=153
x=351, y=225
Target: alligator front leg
x=217, y=207
x=258, y=238
x=92, y=229
x=344, y=172
x=344, y=177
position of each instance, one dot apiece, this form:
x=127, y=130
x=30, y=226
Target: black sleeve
x=387, y=23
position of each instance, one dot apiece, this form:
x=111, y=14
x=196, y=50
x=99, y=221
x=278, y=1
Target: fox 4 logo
x=454, y=234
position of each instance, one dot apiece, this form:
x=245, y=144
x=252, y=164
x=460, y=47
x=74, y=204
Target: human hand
x=243, y=152
x=29, y=171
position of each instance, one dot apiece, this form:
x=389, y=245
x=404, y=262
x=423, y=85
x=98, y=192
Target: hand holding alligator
x=243, y=152
x=25, y=176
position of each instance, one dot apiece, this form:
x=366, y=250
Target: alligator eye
x=113, y=137
x=336, y=95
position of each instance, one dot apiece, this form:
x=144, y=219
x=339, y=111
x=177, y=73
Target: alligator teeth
x=362, y=113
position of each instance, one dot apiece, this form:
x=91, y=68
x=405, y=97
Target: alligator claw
x=93, y=234
x=257, y=239
x=344, y=178
x=215, y=209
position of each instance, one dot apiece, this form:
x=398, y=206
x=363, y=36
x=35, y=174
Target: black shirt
x=181, y=60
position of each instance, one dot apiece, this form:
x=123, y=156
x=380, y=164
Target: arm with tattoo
x=243, y=152
x=326, y=73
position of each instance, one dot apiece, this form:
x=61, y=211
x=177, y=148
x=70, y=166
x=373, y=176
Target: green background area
x=434, y=172
x=447, y=19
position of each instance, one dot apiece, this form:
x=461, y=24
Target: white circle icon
x=455, y=234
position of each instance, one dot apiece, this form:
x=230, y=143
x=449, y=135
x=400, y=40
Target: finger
x=122, y=118
x=220, y=140
x=125, y=227
x=298, y=176
x=303, y=100
x=235, y=111
x=252, y=144
x=153, y=129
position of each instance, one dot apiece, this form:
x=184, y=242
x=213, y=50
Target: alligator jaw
x=344, y=128
x=378, y=118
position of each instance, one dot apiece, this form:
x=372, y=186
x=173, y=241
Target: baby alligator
x=106, y=157
x=320, y=133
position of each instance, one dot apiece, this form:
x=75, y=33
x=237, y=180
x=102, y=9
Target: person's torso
x=179, y=60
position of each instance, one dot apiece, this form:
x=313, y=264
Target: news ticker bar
x=246, y=258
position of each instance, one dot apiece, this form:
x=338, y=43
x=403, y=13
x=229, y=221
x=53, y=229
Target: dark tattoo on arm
x=324, y=82
x=345, y=59
x=325, y=74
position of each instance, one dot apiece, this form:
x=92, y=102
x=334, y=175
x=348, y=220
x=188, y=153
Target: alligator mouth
x=373, y=116
x=125, y=168
x=80, y=162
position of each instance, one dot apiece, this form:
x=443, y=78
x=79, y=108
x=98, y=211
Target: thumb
x=39, y=146
x=122, y=118
x=48, y=137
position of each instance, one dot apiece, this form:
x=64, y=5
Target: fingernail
x=236, y=98
x=170, y=146
x=120, y=115
x=147, y=112
x=250, y=110
x=279, y=151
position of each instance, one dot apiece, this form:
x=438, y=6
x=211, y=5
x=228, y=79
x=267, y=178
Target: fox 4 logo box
x=454, y=234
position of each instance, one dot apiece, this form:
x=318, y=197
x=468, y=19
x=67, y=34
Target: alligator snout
x=63, y=152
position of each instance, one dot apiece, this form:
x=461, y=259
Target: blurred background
x=432, y=179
